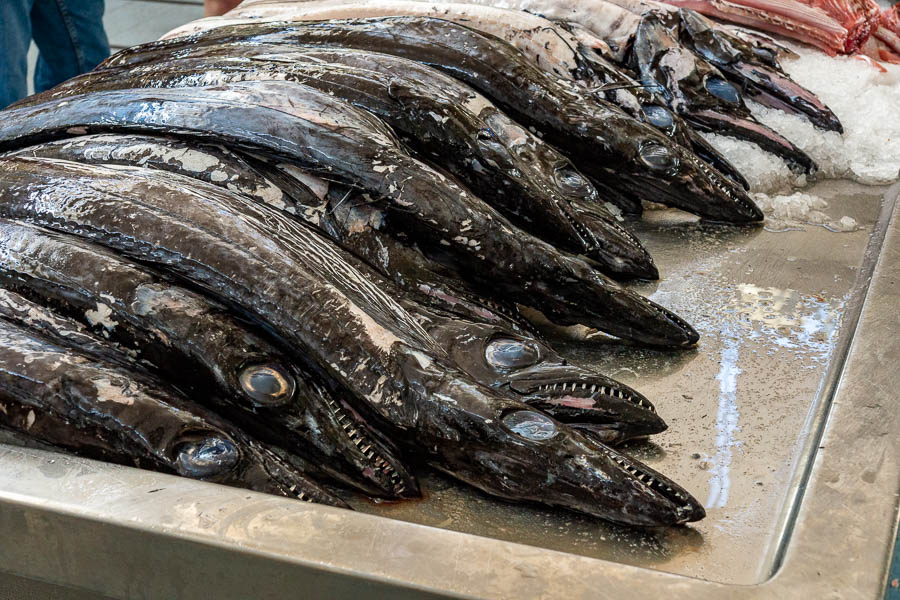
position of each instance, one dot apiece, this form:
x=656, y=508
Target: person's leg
x=71, y=38
x=15, y=36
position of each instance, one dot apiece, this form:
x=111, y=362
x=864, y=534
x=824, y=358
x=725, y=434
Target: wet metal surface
x=777, y=312
x=768, y=306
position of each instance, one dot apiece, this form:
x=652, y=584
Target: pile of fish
x=288, y=253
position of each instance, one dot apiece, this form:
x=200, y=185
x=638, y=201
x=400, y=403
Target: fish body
x=309, y=128
x=443, y=120
x=197, y=344
x=89, y=407
x=622, y=156
x=324, y=303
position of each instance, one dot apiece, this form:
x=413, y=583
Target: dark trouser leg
x=70, y=36
x=15, y=36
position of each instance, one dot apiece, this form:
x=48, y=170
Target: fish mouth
x=600, y=407
x=294, y=408
x=712, y=157
x=661, y=500
x=516, y=452
x=773, y=89
x=616, y=251
x=212, y=455
x=698, y=189
x=751, y=130
x=368, y=454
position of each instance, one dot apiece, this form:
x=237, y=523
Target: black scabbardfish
x=443, y=120
x=488, y=342
x=301, y=125
x=326, y=304
x=197, y=344
x=87, y=406
x=623, y=157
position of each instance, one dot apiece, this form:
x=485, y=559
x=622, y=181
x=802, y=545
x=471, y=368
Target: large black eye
x=268, y=384
x=658, y=157
x=658, y=116
x=510, y=353
x=530, y=425
x=723, y=90
x=206, y=457
x=570, y=180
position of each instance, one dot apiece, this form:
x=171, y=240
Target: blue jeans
x=68, y=33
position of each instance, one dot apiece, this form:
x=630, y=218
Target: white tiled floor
x=130, y=22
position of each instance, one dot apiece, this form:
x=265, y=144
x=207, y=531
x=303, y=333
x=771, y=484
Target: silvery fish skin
x=628, y=160
x=610, y=410
x=89, y=407
x=443, y=120
x=307, y=127
x=322, y=301
x=197, y=344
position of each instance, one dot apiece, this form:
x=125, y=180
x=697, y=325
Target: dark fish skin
x=310, y=128
x=602, y=140
x=346, y=215
x=197, y=344
x=326, y=304
x=443, y=120
x=609, y=410
x=755, y=69
x=98, y=410
x=655, y=41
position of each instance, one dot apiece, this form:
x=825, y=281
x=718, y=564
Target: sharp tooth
x=603, y=389
x=367, y=448
x=584, y=386
x=554, y=385
x=593, y=388
x=369, y=455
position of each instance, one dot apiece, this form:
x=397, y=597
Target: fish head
x=659, y=170
x=755, y=66
x=509, y=449
x=213, y=455
x=530, y=371
x=314, y=420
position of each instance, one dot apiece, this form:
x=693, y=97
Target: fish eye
x=723, y=90
x=206, y=457
x=570, y=180
x=510, y=353
x=767, y=55
x=530, y=425
x=658, y=158
x=658, y=116
x=268, y=384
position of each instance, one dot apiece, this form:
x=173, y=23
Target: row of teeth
x=604, y=390
x=646, y=478
x=668, y=314
x=716, y=181
x=359, y=440
x=583, y=232
x=299, y=494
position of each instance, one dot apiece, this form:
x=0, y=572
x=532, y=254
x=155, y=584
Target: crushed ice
x=785, y=212
x=863, y=96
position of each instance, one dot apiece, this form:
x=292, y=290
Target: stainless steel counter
x=782, y=422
